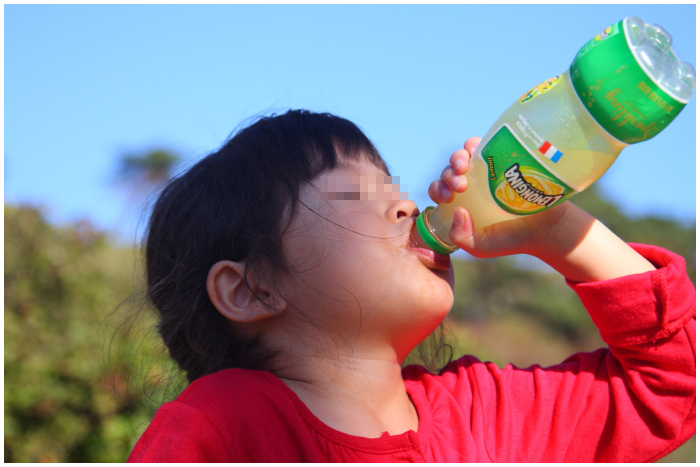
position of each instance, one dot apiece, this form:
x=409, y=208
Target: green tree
x=65, y=401
x=142, y=173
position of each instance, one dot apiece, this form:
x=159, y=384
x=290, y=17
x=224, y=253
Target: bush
x=65, y=400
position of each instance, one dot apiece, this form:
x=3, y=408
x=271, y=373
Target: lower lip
x=431, y=259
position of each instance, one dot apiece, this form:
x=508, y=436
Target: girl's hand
x=522, y=235
x=565, y=236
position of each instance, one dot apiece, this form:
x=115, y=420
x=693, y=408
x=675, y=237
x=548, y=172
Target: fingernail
x=445, y=192
x=457, y=183
x=458, y=217
x=459, y=164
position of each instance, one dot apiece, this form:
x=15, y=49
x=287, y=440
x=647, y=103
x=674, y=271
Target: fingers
x=471, y=144
x=462, y=231
x=459, y=161
x=457, y=183
x=443, y=190
x=440, y=193
x=453, y=179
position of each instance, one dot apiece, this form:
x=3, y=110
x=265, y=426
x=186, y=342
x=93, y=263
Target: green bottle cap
x=631, y=81
x=424, y=231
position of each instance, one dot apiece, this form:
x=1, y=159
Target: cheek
x=357, y=272
x=335, y=274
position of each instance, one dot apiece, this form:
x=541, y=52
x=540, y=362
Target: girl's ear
x=230, y=294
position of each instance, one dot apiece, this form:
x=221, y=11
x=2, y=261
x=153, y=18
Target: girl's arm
x=632, y=402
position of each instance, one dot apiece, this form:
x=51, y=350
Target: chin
x=425, y=299
x=436, y=297
x=421, y=319
x=442, y=306
x=441, y=288
x=447, y=276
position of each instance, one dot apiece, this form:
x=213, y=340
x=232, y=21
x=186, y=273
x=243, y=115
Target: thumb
x=462, y=231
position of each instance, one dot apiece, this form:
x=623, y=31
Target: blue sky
x=85, y=84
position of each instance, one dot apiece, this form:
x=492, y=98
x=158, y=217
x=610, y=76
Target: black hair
x=236, y=204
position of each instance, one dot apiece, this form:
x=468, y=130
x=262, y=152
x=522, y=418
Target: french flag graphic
x=550, y=152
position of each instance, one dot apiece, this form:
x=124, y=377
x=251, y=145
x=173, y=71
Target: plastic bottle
x=623, y=87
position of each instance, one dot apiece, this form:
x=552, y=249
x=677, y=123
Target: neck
x=357, y=395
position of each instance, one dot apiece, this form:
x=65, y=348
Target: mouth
x=429, y=258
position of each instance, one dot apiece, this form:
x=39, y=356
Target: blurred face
x=356, y=274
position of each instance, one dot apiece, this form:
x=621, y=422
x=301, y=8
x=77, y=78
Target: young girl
x=290, y=293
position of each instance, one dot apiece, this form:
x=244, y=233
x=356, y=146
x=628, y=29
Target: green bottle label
x=518, y=182
x=617, y=92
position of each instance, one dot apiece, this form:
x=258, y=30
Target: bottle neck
x=584, y=108
x=426, y=234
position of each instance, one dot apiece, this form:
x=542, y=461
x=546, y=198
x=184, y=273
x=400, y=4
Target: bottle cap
x=631, y=81
x=430, y=240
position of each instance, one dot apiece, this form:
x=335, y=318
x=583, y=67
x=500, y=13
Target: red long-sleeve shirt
x=633, y=402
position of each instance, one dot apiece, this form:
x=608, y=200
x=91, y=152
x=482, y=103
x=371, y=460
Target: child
x=290, y=294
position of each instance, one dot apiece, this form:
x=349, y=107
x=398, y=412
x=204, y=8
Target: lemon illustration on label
x=518, y=182
x=540, y=89
x=527, y=191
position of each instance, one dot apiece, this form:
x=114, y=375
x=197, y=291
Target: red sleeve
x=179, y=433
x=634, y=402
